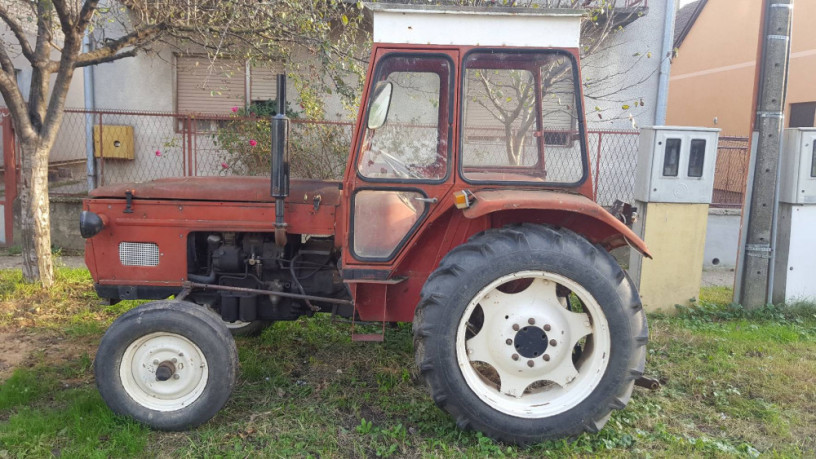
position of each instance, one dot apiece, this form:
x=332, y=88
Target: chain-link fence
x=613, y=160
x=141, y=146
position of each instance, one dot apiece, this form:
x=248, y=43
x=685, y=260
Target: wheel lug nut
x=155, y=362
x=531, y=321
x=509, y=341
x=547, y=327
x=176, y=376
x=515, y=356
x=553, y=342
x=516, y=327
x=173, y=360
x=546, y=357
x=530, y=363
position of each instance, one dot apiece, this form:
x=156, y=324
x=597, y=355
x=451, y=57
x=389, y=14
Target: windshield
x=520, y=118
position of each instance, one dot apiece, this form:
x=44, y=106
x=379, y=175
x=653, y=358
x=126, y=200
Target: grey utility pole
x=756, y=256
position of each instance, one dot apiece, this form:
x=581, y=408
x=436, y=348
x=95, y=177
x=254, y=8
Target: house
x=712, y=77
x=712, y=85
x=146, y=98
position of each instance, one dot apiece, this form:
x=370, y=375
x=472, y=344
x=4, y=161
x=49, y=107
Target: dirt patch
x=14, y=349
x=25, y=349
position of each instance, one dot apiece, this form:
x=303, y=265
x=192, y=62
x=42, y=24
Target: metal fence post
x=598, y=166
x=101, y=153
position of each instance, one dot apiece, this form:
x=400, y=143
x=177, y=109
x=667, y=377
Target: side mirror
x=380, y=101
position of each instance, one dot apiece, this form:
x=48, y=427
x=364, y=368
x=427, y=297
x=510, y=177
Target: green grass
x=735, y=383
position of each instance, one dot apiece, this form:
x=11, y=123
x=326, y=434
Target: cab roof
x=475, y=26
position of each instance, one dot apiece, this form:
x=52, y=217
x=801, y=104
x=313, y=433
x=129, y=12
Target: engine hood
x=230, y=189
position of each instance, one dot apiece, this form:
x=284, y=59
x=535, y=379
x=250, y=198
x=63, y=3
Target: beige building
x=712, y=77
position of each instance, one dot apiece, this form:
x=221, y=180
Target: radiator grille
x=139, y=254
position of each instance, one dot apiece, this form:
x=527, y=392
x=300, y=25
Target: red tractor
x=466, y=207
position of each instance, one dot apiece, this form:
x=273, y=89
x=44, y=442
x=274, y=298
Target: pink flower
x=253, y=143
x=234, y=109
x=224, y=166
x=158, y=153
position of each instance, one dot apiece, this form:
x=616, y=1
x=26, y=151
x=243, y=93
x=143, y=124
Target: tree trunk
x=35, y=213
x=513, y=144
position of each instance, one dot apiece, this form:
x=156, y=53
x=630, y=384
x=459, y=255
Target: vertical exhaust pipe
x=280, y=161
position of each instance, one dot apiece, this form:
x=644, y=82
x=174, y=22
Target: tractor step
x=370, y=337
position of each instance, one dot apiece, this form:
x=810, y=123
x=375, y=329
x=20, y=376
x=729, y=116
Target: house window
x=263, y=84
x=205, y=87
x=803, y=115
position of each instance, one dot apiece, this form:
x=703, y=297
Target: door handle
x=428, y=200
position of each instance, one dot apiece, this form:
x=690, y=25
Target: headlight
x=90, y=224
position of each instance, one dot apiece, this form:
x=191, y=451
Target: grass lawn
x=734, y=384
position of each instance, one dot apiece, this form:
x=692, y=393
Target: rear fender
x=572, y=211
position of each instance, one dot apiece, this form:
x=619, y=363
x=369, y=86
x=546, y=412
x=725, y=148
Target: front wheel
x=528, y=333
x=168, y=364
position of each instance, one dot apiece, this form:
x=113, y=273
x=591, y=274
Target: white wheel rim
x=560, y=383
x=144, y=356
x=236, y=324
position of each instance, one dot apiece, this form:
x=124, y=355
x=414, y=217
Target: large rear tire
x=528, y=333
x=168, y=364
x=254, y=328
x=241, y=328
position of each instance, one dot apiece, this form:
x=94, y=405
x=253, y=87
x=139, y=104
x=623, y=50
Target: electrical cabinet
x=795, y=246
x=676, y=164
x=797, y=180
x=673, y=188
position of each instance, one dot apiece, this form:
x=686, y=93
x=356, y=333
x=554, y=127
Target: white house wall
x=635, y=81
x=143, y=82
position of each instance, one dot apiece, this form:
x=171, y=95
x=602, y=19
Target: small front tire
x=168, y=364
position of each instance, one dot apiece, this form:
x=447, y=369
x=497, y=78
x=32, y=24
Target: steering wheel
x=399, y=167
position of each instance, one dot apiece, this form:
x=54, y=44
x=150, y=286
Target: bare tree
x=49, y=35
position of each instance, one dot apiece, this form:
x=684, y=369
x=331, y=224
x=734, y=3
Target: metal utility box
x=673, y=188
x=676, y=164
x=113, y=142
x=795, y=248
x=797, y=181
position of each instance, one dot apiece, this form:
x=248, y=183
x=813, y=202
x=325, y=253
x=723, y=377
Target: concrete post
x=756, y=254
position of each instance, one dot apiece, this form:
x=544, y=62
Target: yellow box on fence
x=113, y=142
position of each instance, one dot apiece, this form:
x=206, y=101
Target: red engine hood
x=231, y=189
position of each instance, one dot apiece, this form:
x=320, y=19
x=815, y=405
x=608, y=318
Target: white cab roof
x=476, y=26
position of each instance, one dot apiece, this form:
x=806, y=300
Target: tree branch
x=85, y=15
x=16, y=105
x=64, y=16
x=18, y=32
x=5, y=61
x=39, y=66
x=110, y=52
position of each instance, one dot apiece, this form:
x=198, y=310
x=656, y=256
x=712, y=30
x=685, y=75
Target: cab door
x=402, y=159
